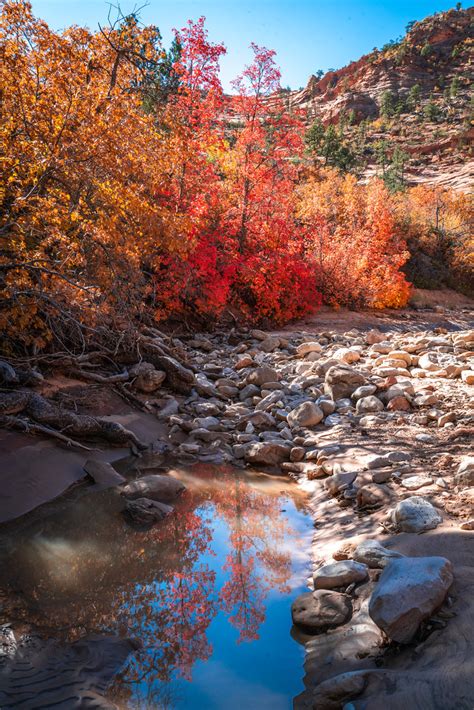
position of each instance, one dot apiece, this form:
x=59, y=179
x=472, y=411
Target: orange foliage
x=439, y=223
x=355, y=240
x=132, y=189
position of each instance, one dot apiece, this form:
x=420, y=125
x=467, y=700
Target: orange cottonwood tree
x=355, y=240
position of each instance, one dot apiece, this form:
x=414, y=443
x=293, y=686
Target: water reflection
x=207, y=577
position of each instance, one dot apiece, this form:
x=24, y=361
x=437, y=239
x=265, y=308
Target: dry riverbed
x=372, y=416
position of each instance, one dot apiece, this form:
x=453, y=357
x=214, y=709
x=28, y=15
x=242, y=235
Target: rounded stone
x=416, y=514
x=339, y=574
x=409, y=590
x=320, y=610
x=366, y=405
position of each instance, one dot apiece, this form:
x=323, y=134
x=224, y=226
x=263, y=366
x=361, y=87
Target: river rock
x=347, y=355
x=342, y=380
x=339, y=574
x=261, y=375
x=306, y=348
x=245, y=361
x=320, y=610
x=416, y=514
x=364, y=391
x=467, y=376
x=154, y=486
x=270, y=344
x=373, y=495
x=8, y=375
x=366, y=405
x=374, y=336
x=306, y=414
x=338, y=482
x=465, y=473
x=399, y=404
x=145, y=511
x=409, y=590
x=429, y=361
x=170, y=407
x=269, y=453
x=412, y=483
x=373, y=554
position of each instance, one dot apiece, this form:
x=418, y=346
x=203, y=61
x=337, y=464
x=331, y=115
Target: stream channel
x=207, y=592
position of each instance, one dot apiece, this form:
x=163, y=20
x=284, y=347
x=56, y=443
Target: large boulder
x=306, y=414
x=339, y=574
x=409, y=590
x=320, y=610
x=415, y=514
x=342, y=380
x=268, y=453
x=154, y=486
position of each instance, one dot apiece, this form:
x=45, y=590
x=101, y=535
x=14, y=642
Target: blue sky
x=307, y=34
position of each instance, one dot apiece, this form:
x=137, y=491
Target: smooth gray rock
x=409, y=590
x=338, y=574
x=342, y=381
x=363, y=391
x=306, y=414
x=366, y=405
x=322, y=609
x=416, y=514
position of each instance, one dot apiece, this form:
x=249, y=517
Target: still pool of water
x=207, y=592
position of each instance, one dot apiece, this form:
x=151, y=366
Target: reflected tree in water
x=157, y=585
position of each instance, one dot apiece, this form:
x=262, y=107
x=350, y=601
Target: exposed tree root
x=55, y=420
x=102, y=379
x=28, y=426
